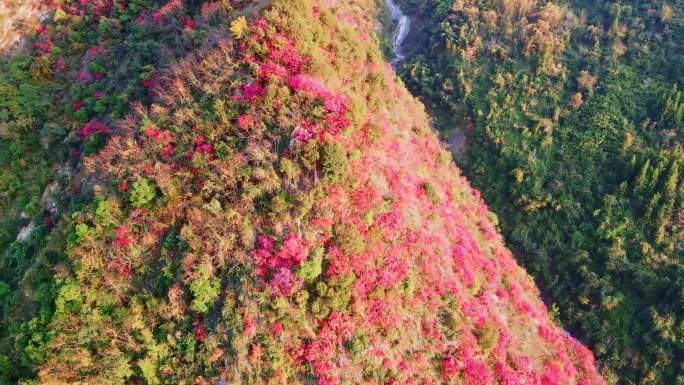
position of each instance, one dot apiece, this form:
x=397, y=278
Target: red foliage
x=276, y=266
x=284, y=282
x=476, y=372
x=505, y=375
x=450, y=367
x=249, y=327
x=201, y=147
x=169, y=150
x=123, y=237
x=160, y=136
x=307, y=84
x=200, y=333
x=417, y=251
x=246, y=121
x=250, y=91
x=44, y=45
x=60, y=65
x=277, y=328
x=255, y=353
x=340, y=265
x=92, y=127
x=553, y=374
x=189, y=23
x=292, y=252
x=271, y=71
x=138, y=215
x=122, y=267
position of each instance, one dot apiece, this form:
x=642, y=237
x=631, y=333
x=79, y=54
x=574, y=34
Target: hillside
x=196, y=190
x=17, y=17
x=572, y=113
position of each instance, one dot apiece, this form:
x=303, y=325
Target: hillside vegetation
x=573, y=114
x=242, y=190
x=17, y=17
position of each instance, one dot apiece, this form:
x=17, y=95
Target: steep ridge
x=277, y=209
x=573, y=117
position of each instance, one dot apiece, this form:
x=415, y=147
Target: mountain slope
x=275, y=206
x=573, y=118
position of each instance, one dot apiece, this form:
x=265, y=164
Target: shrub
x=431, y=192
x=143, y=193
x=334, y=158
x=239, y=27
x=69, y=297
x=205, y=289
x=81, y=231
x=309, y=154
x=359, y=343
x=311, y=269
x=488, y=336
x=333, y=295
x=349, y=239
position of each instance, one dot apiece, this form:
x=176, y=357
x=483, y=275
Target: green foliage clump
x=359, y=343
x=431, y=192
x=81, y=232
x=488, y=336
x=333, y=295
x=69, y=297
x=143, y=192
x=349, y=239
x=311, y=269
x=309, y=154
x=148, y=368
x=205, y=289
x=334, y=158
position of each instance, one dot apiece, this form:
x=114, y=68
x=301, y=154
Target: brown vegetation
x=16, y=19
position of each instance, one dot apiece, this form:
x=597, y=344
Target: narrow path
x=402, y=31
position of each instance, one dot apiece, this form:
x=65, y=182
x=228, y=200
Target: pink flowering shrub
x=123, y=237
x=92, y=127
x=476, y=372
x=284, y=282
x=246, y=122
x=450, y=367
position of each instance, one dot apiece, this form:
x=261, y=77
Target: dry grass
x=17, y=17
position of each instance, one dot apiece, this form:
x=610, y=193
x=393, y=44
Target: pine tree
x=672, y=179
x=640, y=183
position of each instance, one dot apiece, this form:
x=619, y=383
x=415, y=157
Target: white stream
x=403, y=28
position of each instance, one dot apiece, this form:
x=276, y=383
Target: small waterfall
x=402, y=31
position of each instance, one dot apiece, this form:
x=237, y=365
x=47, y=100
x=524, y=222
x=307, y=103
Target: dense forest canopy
x=573, y=116
x=194, y=191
